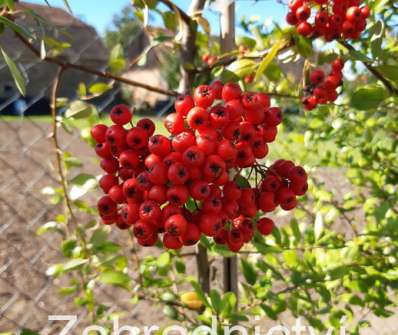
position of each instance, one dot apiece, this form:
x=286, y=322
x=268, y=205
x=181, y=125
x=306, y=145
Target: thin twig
x=58, y=150
x=390, y=87
x=184, y=16
x=104, y=74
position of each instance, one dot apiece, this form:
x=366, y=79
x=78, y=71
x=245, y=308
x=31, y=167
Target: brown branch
x=104, y=74
x=184, y=16
x=390, y=87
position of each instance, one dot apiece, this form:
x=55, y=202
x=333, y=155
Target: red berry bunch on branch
x=323, y=89
x=331, y=19
x=190, y=183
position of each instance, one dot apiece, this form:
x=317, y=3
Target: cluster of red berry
x=209, y=59
x=335, y=18
x=323, y=89
x=187, y=184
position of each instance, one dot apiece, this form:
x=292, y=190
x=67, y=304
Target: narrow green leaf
x=216, y=301
x=15, y=72
x=269, y=58
x=115, y=278
x=318, y=226
x=66, y=2
x=16, y=27
x=249, y=272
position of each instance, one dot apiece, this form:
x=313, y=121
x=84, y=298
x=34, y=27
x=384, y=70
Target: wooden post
x=227, y=41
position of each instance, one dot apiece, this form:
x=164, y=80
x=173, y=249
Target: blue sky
x=99, y=13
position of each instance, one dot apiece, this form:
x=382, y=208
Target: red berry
x=183, y=141
x=286, y=198
x=116, y=194
x=317, y=77
x=131, y=190
x=178, y=174
x=130, y=213
x=198, y=118
x=217, y=87
x=353, y=14
x=303, y=13
x=231, y=91
x=193, y=156
x=137, y=138
x=110, y=165
x=150, y=211
x=265, y=226
x=174, y=123
x=98, y=133
x=143, y=229
x=291, y=18
x=183, y=104
x=129, y=159
x=120, y=114
x=191, y=236
x=199, y=190
x=157, y=174
x=271, y=183
x=266, y=201
x=305, y=29
x=116, y=135
x=176, y=225
x=177, y=195
x=107, y=181
x=159, y=145
x=218, y=116
x=103, y=150
x=106, y=206
x=157, y=193
x=204, y=96
x=147, y=125
x=171, y=242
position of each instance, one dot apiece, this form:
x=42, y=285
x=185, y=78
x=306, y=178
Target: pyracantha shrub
x=330, y=19
x=322, y=89
x=190, y=183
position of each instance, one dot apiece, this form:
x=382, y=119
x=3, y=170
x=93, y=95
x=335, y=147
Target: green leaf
x=228, y=303
x=215, y=301
x=163, y=260
x=389, y=71
x=115, y=278
x=200, y=293
x=303, y=45
x=318, y=226
x=16, y=73
x=79, y=109
x=16, y=27
x=99, y=88
x=242, y=181
x=368, y=97
x=228, y=76
x=71, y=265
x=269, y=58
x=49, y=226
x=81, y=179
x=248, y=271
x=170, y=312
x=242, y=67
x=26, y=331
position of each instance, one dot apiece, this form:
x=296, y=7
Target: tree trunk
x=188, y=53
x=188, y=48
x=227, y=41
